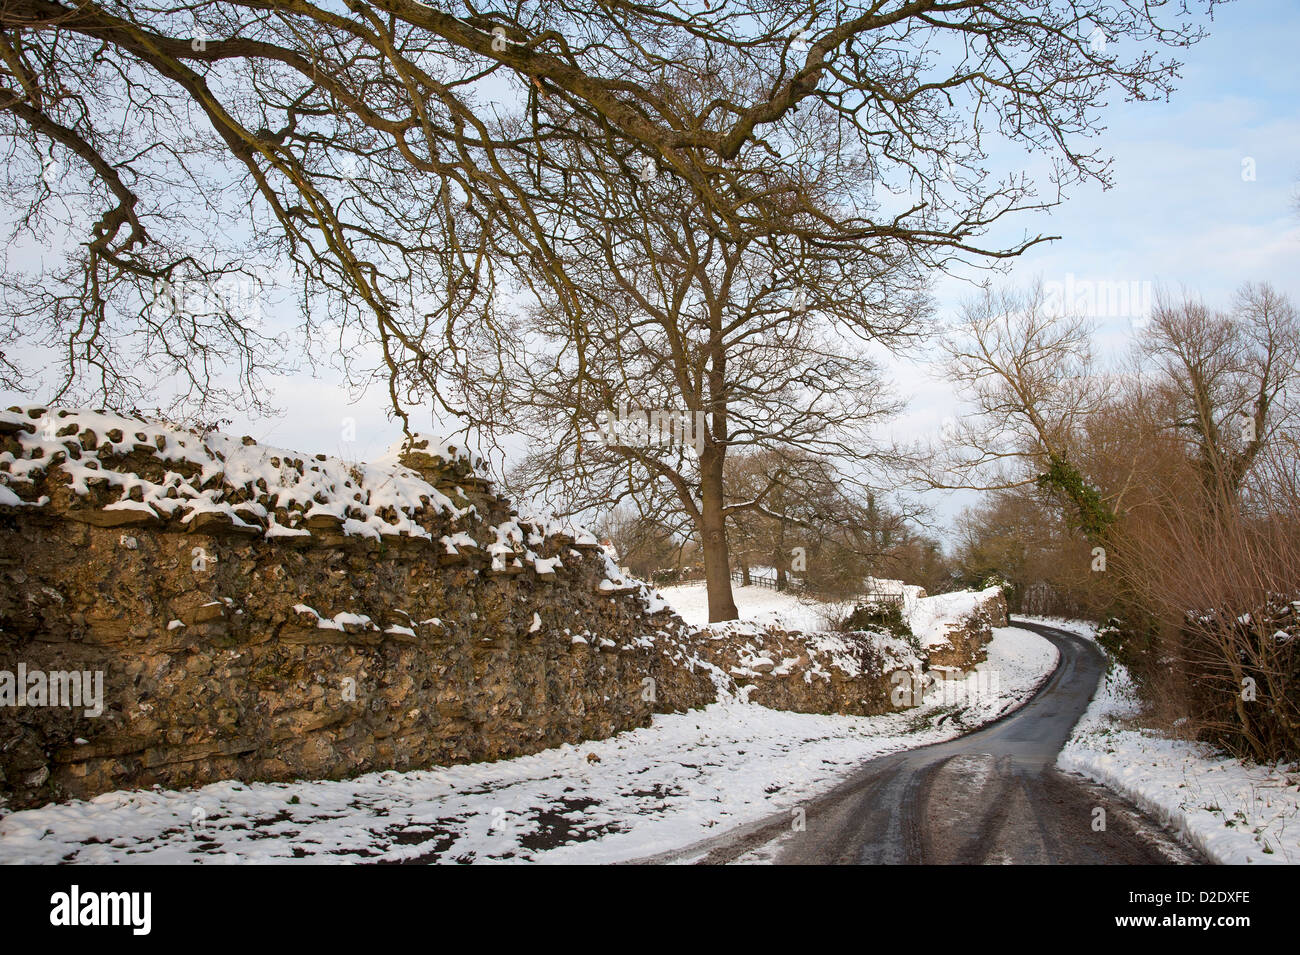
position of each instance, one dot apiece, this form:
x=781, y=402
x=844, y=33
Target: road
x=992, y=796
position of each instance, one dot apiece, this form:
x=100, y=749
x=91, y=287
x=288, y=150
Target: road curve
x=992, y=796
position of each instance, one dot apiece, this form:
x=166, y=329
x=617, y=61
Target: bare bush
x=1170, y=497
x=1223, y=587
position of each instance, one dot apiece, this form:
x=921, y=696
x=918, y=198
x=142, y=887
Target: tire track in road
x=991, y=796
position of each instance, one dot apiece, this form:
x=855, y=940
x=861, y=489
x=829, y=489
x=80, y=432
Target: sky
x=1204, y=199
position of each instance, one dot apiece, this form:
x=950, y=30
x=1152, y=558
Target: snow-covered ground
x=931, y=617
x=1080, y=628
x=759, y=604
x=1233, y=813
x=928, y=616
x=686, y=777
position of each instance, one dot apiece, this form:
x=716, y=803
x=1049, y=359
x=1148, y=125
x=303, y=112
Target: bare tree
x=810, y=522
x=1230, y=378
x=398, y=157
x=1180, y=474
x=1028, y=374
x=650, y=549
x=745, y=337
x=1021, y=535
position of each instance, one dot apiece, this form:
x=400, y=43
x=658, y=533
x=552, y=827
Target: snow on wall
x=932, y=619
x=204, y=473
x=270, y=616
x=168, y=473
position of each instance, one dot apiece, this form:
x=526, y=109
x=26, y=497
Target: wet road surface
x=992, y=796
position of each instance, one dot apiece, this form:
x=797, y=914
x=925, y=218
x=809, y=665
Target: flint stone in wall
x=308, y=656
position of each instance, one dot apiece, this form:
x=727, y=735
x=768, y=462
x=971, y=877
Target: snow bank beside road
x=1235, y=814
x=1080, y=628
x=647, y=791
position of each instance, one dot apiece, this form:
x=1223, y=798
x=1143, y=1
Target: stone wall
x=857, y=672
x=964, y=639
x=850, y=673
x=259, y=616
x=255, y=614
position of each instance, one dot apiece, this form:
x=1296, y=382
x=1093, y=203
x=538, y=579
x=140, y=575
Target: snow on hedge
x=1234, y=813
x=931, y=618
x=763, y=610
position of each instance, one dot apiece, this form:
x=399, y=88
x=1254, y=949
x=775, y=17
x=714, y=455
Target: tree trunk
x=713, y=537
x=778, y=557
x=744, y=570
